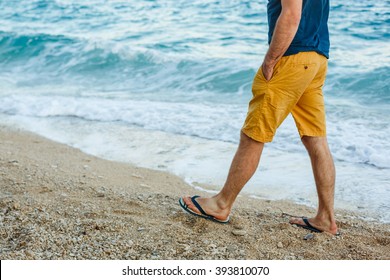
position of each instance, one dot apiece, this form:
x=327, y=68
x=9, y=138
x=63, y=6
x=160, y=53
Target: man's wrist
x=269, y=61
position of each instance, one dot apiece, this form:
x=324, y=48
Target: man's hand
x=268, y=68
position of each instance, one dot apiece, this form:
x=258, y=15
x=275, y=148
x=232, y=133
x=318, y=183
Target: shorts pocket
x=279, y=68
x=260, y=74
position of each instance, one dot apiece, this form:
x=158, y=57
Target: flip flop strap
x=306, y=221
x=198, y=206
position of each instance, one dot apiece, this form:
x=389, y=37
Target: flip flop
x=204, y=214
x=308, y=226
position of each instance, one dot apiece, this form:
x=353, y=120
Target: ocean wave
x=355, y=136
x=57, y=59
x=369, y=87
x=114, y=65
x=21, y=46
x=366, y=19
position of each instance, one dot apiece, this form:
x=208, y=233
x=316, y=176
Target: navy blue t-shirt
x=312, y=34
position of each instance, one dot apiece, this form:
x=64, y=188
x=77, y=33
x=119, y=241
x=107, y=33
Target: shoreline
x=59, y=203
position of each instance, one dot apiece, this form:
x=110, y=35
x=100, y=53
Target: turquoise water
x=181, y=72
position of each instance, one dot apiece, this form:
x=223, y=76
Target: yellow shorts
x=296, y=88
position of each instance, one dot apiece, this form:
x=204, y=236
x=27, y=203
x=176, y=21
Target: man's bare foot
x=209, y=205
x=321, y=225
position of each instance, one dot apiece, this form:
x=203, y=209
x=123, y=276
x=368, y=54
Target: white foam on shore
x=356, y=134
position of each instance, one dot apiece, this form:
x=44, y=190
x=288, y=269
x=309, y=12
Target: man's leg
x=324, y=175
x=243, y=167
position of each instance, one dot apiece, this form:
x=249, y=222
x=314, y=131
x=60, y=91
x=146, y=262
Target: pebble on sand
x=238, y=232
x=308, y=236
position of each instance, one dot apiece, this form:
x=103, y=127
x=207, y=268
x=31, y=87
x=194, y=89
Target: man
x=290, y=80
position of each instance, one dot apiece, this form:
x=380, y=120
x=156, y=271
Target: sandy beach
x=59, y=203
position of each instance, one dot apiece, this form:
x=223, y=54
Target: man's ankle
x=326, y=217
x=222, y=203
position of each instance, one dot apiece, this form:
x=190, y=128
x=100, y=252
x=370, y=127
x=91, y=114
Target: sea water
x=165, y=84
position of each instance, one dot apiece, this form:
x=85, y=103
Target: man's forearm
x=285, y=29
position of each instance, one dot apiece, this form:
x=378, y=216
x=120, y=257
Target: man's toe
x=297, y=221
x=188, y=201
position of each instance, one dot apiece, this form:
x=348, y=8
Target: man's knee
x=312, y=139
x=314, y=143
x=245, y=140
